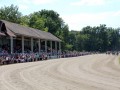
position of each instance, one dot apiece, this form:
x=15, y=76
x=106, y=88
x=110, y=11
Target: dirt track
x=92, y=72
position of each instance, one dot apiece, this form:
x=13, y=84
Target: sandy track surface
x=92, y=72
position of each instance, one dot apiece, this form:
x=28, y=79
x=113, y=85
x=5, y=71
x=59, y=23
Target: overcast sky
x=76, y=13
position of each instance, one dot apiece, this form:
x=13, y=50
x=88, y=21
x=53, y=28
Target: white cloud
x=88, y=2
x=23, y=1
x=27, y=4
x=23, y=7
x=78, y=21
x=36, y=2
x=117, y=13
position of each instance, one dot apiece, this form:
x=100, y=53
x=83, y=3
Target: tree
x=48, y=19
x=37, y=22
x=10, y=13
x=99, y=38
x=72, y=39
x=24, y=20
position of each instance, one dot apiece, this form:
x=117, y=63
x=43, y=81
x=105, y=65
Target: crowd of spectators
x=28, y=56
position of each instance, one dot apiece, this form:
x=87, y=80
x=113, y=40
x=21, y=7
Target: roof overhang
x=2, y=34
x=10, y=33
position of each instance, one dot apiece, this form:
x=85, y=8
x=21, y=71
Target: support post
x=22, y=44
x=11, y=44
x=39, y=45
x=51, y=47
x=60, y=49
x=32, y=45
x=46, y=46
x=56, y=46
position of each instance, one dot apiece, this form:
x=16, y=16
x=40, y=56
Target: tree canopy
x=100, y=38
x=10, y=13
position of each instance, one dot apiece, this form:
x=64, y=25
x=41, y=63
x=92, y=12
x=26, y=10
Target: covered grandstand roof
x=14, y=29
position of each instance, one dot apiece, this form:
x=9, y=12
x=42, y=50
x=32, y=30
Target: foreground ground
x=92, y=72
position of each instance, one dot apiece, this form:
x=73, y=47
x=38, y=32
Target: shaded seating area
x=17, y=40
x=19, y=58
x=6, y=59
x=19, y=44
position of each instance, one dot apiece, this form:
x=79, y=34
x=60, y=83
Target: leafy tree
x=100, y=38
x=68, y=47
x=72, y=39
x=47, y=19
x=10, y=13
x=37, y=22
x=24, y=20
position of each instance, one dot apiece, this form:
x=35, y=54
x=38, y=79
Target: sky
x=76, y=13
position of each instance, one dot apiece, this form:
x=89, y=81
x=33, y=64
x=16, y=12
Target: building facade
x=15, y=38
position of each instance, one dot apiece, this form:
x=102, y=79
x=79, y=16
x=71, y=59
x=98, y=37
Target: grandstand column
x=31, y=44
x=39, y=45
x=60, y=47
x=46, y=46
x=51, y=47
x=11, y=44
x=56, y=46
x=22, y=44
